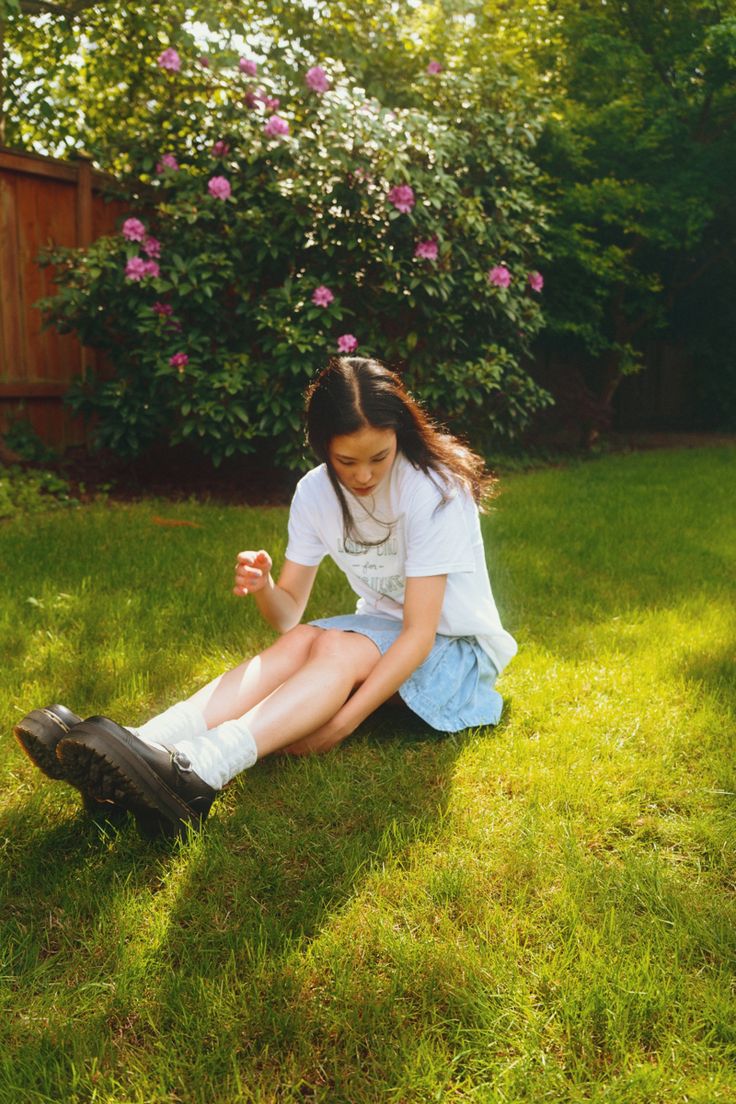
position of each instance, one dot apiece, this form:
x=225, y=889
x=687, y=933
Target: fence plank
x=11, y=355
x=84, y=204
x=44, y=203
x=33, y=389
x=32, y=165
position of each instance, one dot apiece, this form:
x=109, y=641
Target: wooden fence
x=43, y=203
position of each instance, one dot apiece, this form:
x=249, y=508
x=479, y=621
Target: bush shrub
x=266, y=236
x=31, y=492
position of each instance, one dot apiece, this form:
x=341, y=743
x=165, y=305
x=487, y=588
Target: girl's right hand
x=251, y=572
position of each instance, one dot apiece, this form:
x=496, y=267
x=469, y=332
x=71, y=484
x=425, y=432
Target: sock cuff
x=222, y=753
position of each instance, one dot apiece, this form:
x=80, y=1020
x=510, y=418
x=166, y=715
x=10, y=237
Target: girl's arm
x=423, y=599
x=282, y=603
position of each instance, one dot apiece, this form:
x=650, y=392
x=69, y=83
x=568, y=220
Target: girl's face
x=363, y=459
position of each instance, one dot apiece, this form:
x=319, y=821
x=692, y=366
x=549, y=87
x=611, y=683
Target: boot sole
x=33, y=739
x=114, y=773
x=32, y=735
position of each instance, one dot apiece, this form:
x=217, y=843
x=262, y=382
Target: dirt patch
x=178, y=475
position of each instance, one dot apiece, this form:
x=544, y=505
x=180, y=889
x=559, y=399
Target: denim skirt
x=454, y=687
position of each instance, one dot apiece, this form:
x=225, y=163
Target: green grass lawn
x=538, y=912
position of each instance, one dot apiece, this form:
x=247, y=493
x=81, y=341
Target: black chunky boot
x=38, y=735
x=111, y=763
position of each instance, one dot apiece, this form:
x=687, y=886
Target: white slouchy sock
x=221, y=753
x=182, y=721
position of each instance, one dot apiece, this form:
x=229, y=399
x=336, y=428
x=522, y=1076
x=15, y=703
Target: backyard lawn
x=543, y=911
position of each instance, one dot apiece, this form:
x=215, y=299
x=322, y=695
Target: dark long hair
x=354, y=392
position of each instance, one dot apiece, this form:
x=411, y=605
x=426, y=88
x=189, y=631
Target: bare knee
x=292, y=646
x=298, y=639
x=351, y=651
x=301, y=636
x=329, y=643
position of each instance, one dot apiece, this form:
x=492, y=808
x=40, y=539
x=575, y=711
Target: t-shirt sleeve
x=305, y=545
x=439, y=539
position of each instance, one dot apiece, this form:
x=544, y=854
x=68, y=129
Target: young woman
x=394, y=503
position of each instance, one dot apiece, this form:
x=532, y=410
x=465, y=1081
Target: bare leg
x=337, y=663
x=234, y=693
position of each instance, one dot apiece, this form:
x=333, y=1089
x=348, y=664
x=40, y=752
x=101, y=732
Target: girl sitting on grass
x=394, y=502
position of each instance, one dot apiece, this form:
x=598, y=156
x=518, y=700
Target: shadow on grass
x=156, y=941
x=714, y=673
x=291, y=839
x=287, y=856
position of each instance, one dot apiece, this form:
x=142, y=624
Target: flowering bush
x=499, y=276
x=276, y=127
x=402, y=197
x=219, y=187
x=322, y=296
x=170, y=59
x=317, y=79
x=262, y=244
x=168, y=161
x=427, y=250
x=133, y=230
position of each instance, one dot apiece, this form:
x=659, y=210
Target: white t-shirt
x=425, y=538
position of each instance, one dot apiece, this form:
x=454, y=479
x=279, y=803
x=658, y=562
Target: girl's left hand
x=251, y=572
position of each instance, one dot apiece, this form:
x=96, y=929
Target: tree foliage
x=77, y=71
x=364, y=224
x=639, y=156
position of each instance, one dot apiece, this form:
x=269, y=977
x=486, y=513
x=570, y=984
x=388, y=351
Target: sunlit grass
x=544, y=911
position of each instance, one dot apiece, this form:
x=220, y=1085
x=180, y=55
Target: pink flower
x=322, y=296
x=135, y=269
x=248, y=66
x=347, y=343
x=151, y=246
x=251, y=99
x=402, y=197
x=499, y=276
x=270, y=103
x=164, y=309
x=170, y=60
x=219, y=187
x=204, y=61
x=317, y=79
x=220, y=149
x=138, y=269
x=536, y=281
x=276, y=127
x=168, y=161
x=434, y=68
x=133, y=229
x=426, y=250
x=179, y=360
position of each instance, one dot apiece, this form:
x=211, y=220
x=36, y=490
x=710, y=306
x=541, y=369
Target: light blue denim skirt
x=454, y=687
